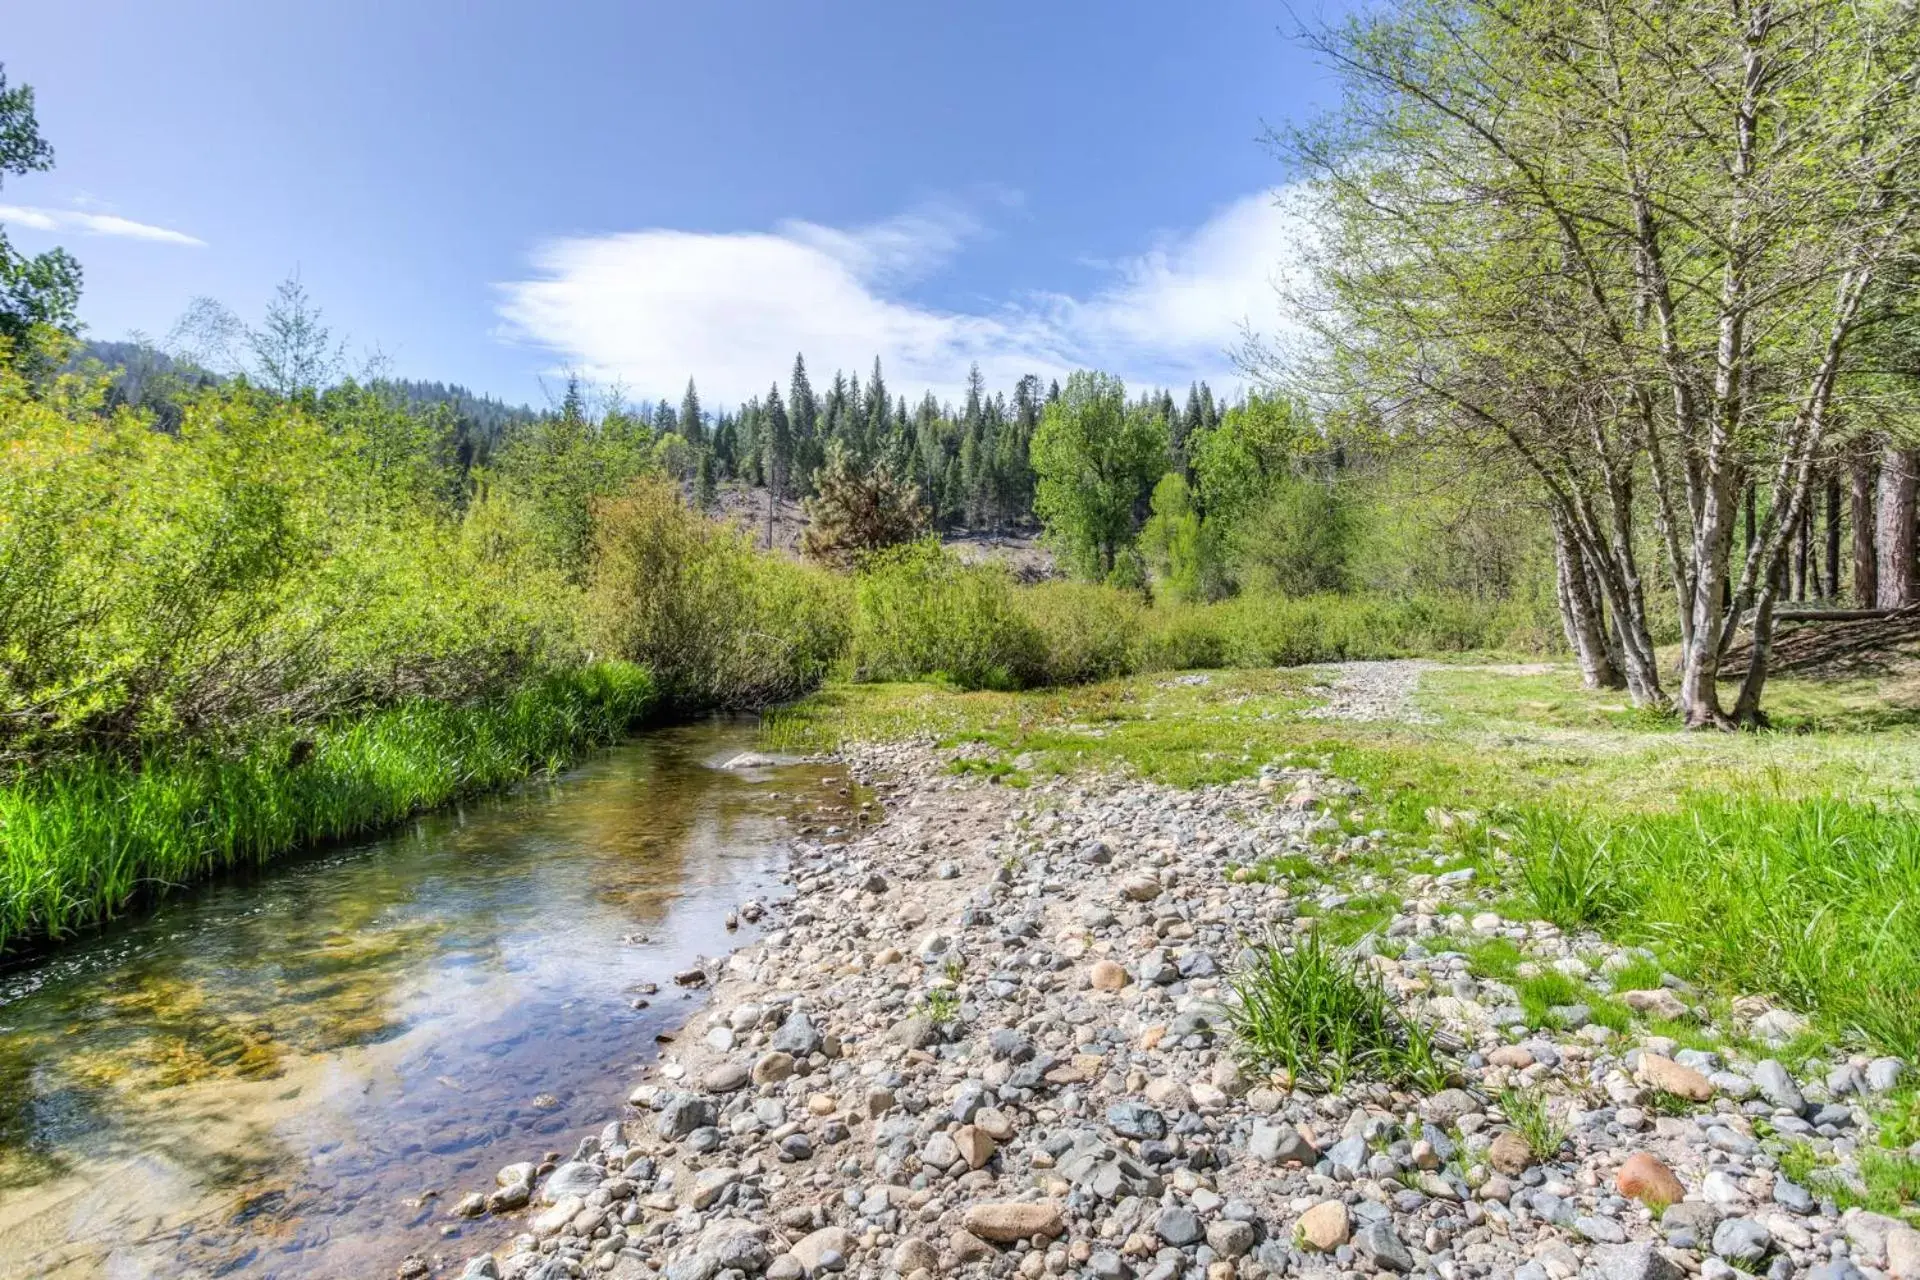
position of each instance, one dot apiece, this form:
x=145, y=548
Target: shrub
x=717, y=622
x=1085, y=632
x=253, y=567
x=1296, y=541
x=921, y=613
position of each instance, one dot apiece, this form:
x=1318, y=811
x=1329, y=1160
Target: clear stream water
x=297, y=1072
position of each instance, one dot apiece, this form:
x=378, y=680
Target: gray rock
x=1742, y=1241
x=1837, y=1269
x=573, y=1179
x=1280, y=1144
x=1638, y=1261
x=481, y=1268
x=1348, y=1157
x=1178, y=1227
x=726, y=1077
x=1447, y=1106
x=693, y=1266
x=1136, y=1120
x=940, y=1152
x=1778, y=1087
x=1378, y=1242
x=742, y=1251
x=797, y=1035
x=1010, y=1045
x=1230, y=1238
x=682, y=1114
x=1884, y=1073
x=1600, y=1230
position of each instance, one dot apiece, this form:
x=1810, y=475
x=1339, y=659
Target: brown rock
x=1644, y=1178
x=1670, y=1077
x=1510, y=1153
x=914, y=1254
x=773, y=1067
x=976, y=1148
x=1511, y=1056
x=968, y=1247
x=1903, y=1253
x=1108, y=976
x=1324, y=1227
x=809, y=1249
x=995, y=1123
x=1005, y=1221
x=1658, y=1001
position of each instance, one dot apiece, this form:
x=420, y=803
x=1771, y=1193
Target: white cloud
x=99, y=224
x=646, y=309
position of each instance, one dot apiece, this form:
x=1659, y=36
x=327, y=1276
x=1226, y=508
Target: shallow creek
x=298, y=1071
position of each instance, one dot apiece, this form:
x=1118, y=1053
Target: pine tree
x=802, y=409
x=706, y=493
x=693, y=426
x=779, y=452
x=726, y=446
x=877, y=409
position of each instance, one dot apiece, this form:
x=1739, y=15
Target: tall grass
x=1319, y=1014
x=83, y=839
x=1815, y=901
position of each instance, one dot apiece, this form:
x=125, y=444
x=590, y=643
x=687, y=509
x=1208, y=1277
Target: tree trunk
x=1582, y=613
x=1866, y=566
x=1894, y=534
x=1830, y=588
x=1700, y=659
x=1802, y=552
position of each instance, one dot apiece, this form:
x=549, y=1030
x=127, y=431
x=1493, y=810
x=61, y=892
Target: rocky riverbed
x=990, y=1035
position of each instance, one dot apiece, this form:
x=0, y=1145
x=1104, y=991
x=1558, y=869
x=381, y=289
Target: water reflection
x=296, y=1074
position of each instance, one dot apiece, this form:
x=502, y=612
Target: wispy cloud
x=99, y=224
x=649, y=308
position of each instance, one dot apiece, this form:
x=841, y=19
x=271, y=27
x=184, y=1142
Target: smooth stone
x=1644, y=1177
x=1005, y=1221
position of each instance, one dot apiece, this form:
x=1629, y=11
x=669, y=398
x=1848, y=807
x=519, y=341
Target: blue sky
x=491, y=192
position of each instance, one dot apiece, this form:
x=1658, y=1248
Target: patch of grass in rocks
x=1899, y=1117
x=1358, y=917
x=1496, y=958
x=992, y=769
x=1321, y=1015
x=1639, y=974
x=1527, y=1111
x=1544, y=992
x=1662, y=1103
x=1883, y=1181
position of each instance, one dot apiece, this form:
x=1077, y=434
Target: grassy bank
x=1784, y=864
x=84, y=839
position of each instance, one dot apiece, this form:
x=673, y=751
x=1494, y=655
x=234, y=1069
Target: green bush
x=1085, y=632
x=1295, y=541
x=252, y=567
x=921, y=613
x=717, y=622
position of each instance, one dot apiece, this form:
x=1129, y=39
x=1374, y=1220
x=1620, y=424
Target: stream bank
x=279, y=1073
